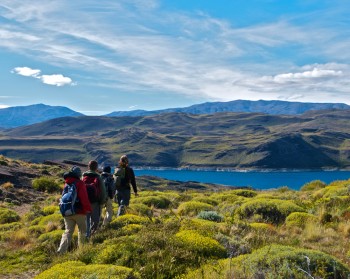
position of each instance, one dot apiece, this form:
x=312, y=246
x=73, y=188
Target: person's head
x=124, y=161
x=93, y=165
x=75, y=171
x=107, y=169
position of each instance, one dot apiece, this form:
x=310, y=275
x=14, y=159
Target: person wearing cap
x=79, y=219
x=126, y=176
x=110, y=191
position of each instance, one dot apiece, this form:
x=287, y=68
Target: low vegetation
x=226, y=233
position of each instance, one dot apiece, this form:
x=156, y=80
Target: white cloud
x=26, y=71
x=4, y=106
x=58, y=80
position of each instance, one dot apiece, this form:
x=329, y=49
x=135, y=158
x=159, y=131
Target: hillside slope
x=318, y=139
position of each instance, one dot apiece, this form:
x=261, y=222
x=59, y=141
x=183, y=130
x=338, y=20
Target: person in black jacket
x=124, y=177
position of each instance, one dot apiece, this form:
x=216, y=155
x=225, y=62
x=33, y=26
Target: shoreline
x=215, y=169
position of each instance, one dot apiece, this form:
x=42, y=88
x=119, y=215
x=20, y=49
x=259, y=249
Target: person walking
x=124, y=176
x=97, y=196
x=108, y=180
x=82, y=206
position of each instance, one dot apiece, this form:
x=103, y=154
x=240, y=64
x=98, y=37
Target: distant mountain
x=270, y=107
x=26, y=115
x=313, y=140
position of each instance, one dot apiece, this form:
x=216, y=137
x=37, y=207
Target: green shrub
x=313, y=185
x=46, y=184
x=51, y=209
x=140, y=209
x=8, y=216
x=53, y=237
x=210, y=216
x=244, y=193
x=10, y=226
x=204, y=227
x=275, y=261
x=262, y=228
x=156, y=201
x=43, y=221
x=202, y=245
x=79, y=270
x=267, y=210
x=207, y=200
x=192, y=208
x=127, y=219
x=300, y=219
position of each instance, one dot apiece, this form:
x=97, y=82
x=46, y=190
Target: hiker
x=97, y=196
x=82, y=207
x=124, y=176
x=108, y=180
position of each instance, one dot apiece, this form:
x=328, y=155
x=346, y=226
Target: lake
x=256, y=179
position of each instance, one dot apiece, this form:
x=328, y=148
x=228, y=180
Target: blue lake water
x=257, y=180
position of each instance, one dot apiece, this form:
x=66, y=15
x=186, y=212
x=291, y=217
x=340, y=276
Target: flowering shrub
x=244, y=193
x=204, y=227
x=79, y=270
x=313, y=185
x=204, y=246
x=192, y=208
x=51, y=209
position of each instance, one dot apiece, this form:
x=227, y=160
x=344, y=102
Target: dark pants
x=123, y=198
x=93, y=219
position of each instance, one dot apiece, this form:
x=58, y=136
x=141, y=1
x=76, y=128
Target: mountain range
x=313, y=140
x=26, y=115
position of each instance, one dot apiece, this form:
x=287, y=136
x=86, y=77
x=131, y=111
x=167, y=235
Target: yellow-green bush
x=156, y=201
x=204, y=246
x=267, y=210
x=313, y=185
x=10, y=226
x=204, y=227
x=79, y=270
x=8, y=216
x=127, y=219
x=51, y=209
x=228, y=196
x=53, y=237
x=192, y=208
x=262, y=228
x=275, y=261
x=130, y=229
x=46, y=184
x=207, y=200
x=299, y=219
x=244, y=193
x=140, y=209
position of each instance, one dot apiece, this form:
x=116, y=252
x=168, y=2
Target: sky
x=100, y=56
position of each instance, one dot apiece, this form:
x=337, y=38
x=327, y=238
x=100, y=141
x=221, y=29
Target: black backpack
x=109, y=184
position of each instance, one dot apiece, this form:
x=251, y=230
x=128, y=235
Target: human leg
x=66, y=239
x=109, y=212
x=95, y=217
x=82, y=228
x=123, y=200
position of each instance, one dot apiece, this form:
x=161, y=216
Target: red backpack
x=92, y=183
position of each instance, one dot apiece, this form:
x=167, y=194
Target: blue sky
x=99, y=56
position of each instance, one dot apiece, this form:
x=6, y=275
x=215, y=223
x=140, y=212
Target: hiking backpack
x=69, y=200
x=92, y=183
x=109, y=184
x=120, y=178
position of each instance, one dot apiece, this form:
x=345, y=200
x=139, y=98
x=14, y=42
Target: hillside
x=26, y=115
x=314, y=140
x=174, y=230
x=261, y=106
